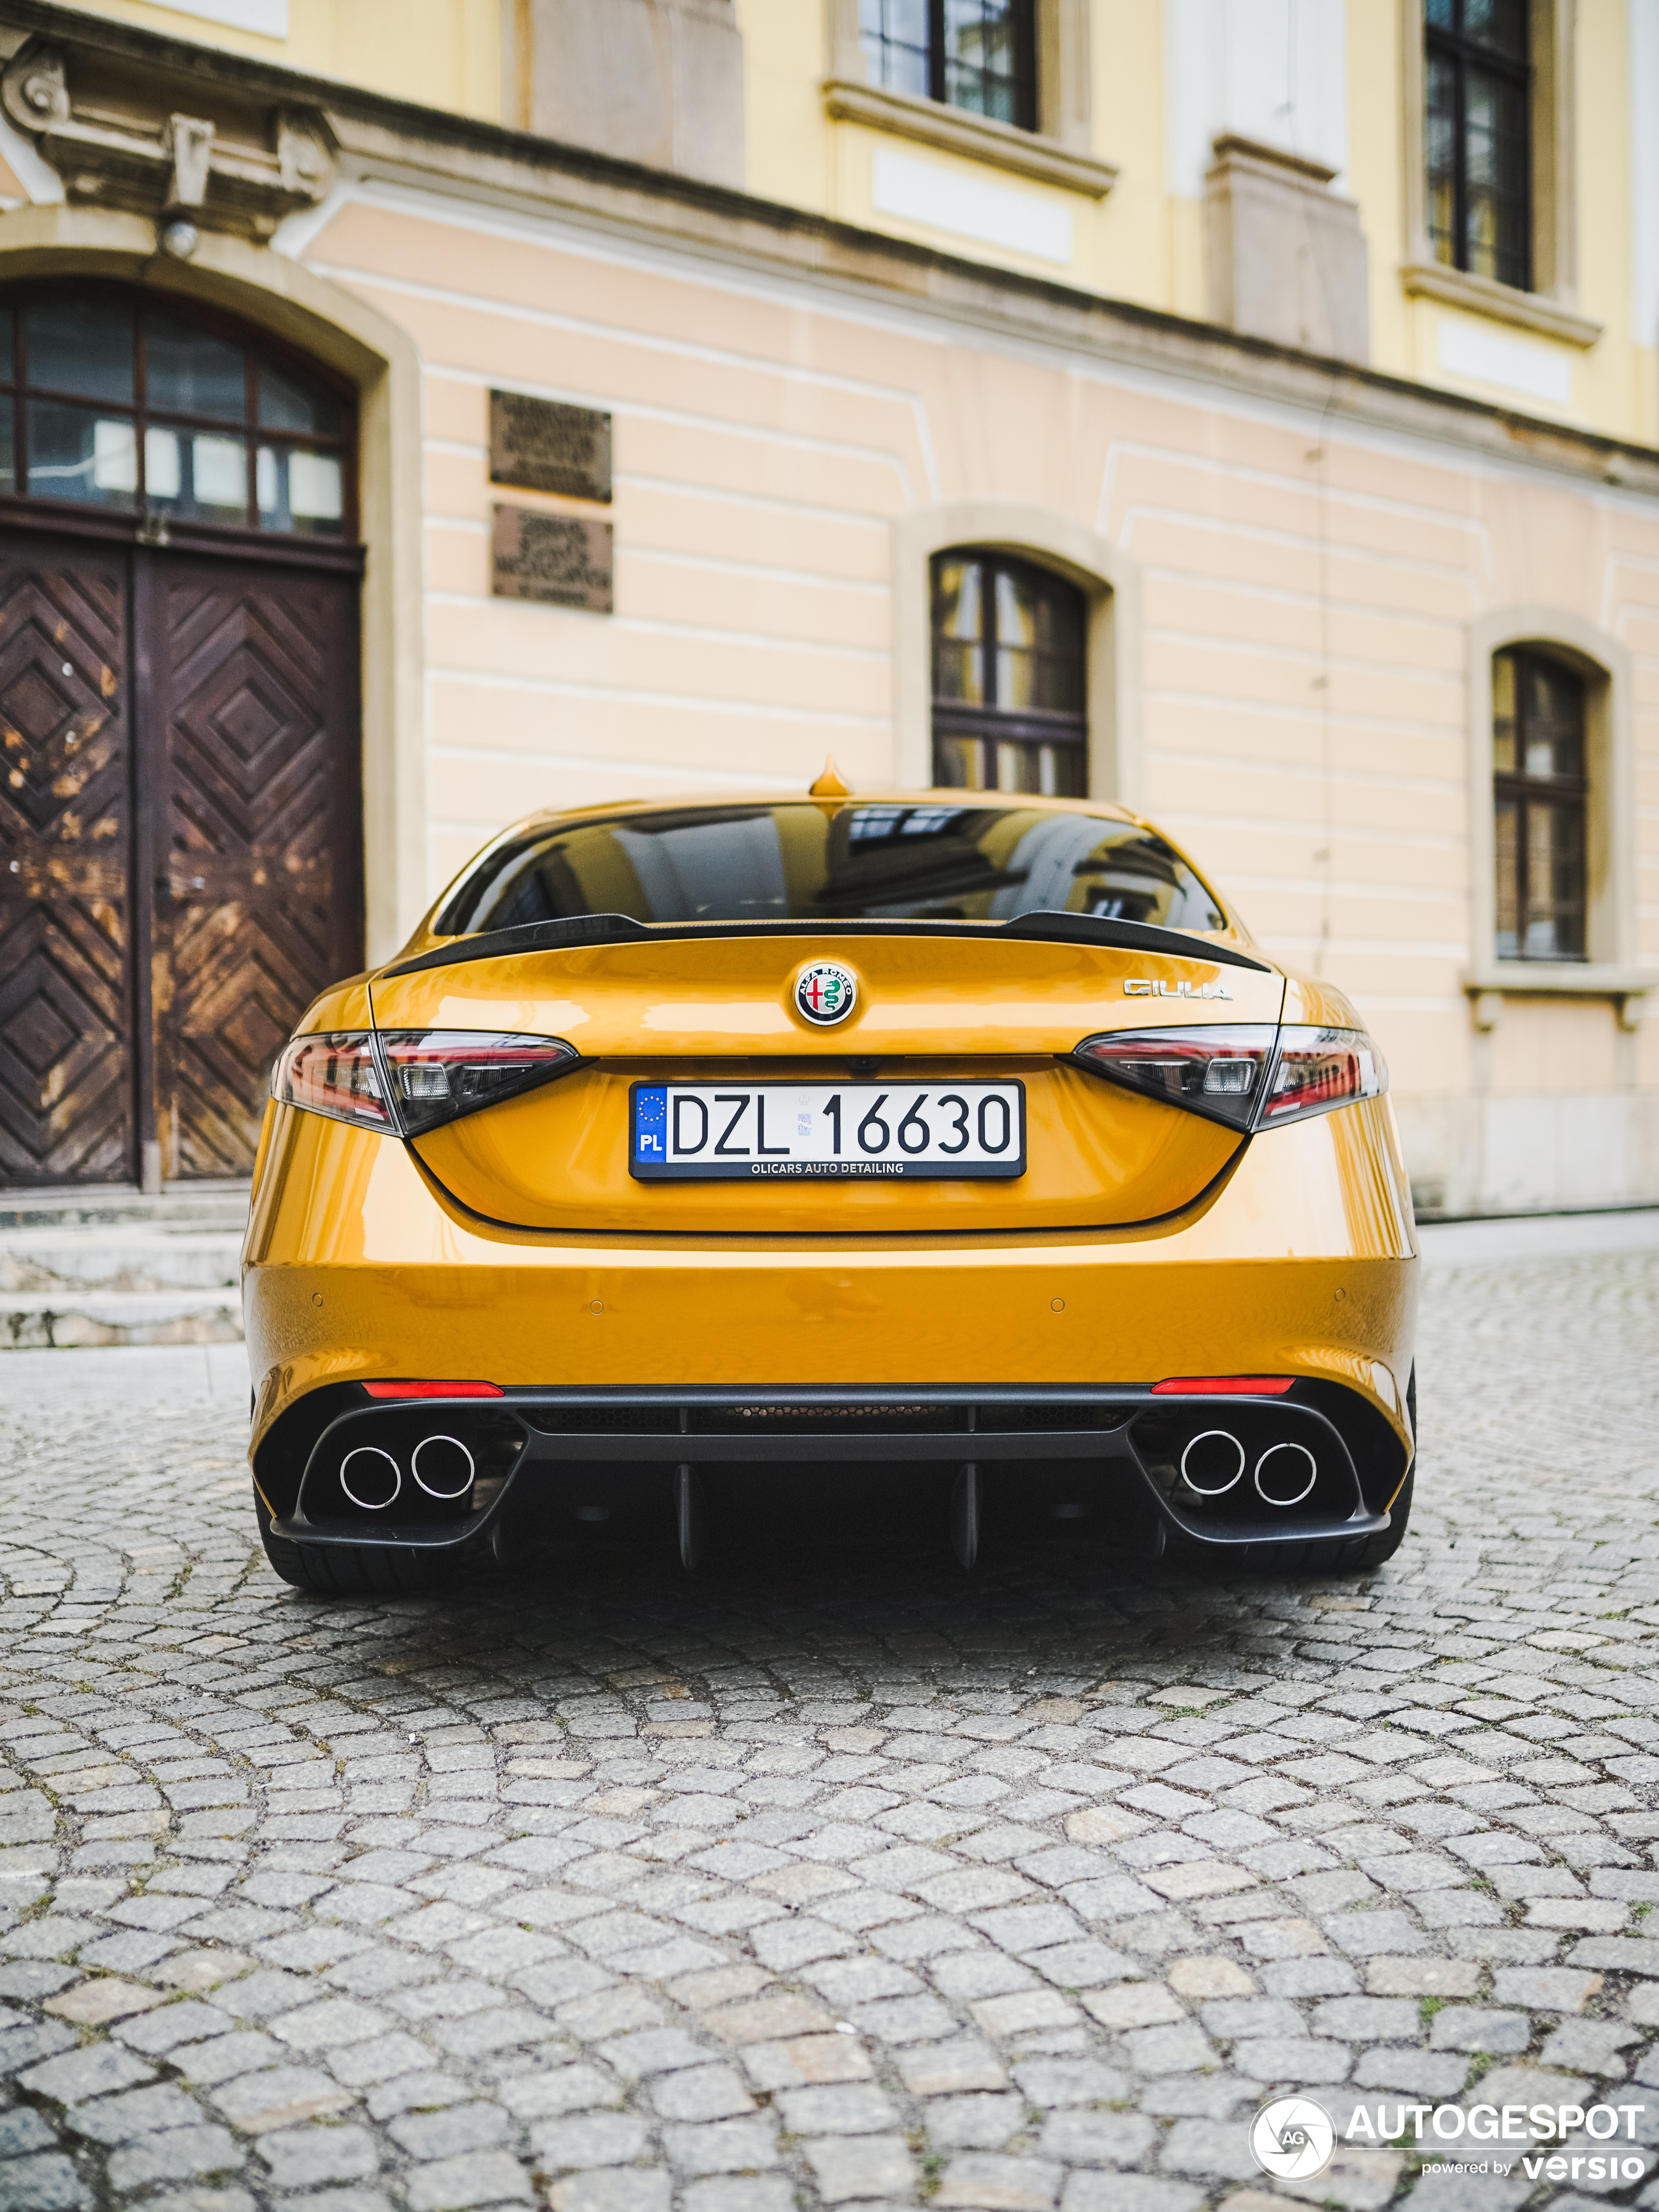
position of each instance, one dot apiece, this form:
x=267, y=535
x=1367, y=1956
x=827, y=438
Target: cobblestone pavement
x=835, y=1876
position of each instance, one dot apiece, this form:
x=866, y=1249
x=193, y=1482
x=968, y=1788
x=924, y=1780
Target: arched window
x=1010, y=709
x=112, y=400
x=1539, y=793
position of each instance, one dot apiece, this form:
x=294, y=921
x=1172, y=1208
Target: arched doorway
x=180, y=841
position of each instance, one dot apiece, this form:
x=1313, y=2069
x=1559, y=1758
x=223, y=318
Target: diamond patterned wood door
x=67, y=1097
x=252, y=728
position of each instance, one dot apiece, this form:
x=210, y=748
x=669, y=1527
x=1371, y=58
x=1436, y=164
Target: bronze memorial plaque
x=542, y=445
x=562, y=560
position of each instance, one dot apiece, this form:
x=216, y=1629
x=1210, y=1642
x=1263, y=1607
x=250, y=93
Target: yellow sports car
x=966, y=1135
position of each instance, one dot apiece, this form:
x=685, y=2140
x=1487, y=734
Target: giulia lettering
x=1141, y=987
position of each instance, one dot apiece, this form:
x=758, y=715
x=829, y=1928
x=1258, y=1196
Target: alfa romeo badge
x=826, y=992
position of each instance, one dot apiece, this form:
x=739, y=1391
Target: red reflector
x=1224, y=1386
x=434, y=1390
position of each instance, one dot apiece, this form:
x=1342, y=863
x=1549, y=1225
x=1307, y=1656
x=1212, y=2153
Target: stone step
x=87, y=1267
x=219, y=1204
x=60, y=1261
x=35, y=1321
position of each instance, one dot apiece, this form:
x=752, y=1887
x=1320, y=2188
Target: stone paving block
x=1022, y=2011
x=1419, y=2072
x=1475, y=2027
x=178, y=2155
x=43, y=2184
x=95, y=2071
x=701, y=2093
x=950, y=2069
x=496, y=2178
x=846, y=2167
x=802, y=2061
x=1393, y=1976
x=720, y=2146
x=768, y=2019
x=278, y=2097
x=740, y=2193
x=981, y=2179
x=593, y=2139
x=447, y=2134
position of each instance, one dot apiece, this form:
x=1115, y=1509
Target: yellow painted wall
x=441, y=53
x=1141, y=243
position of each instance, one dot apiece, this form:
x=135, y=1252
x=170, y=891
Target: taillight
x=335, y=1074
x=1250, y=1078
x=1318, y=1069
x=407, y=1081
x=438, y=1075
x=1220, y=1073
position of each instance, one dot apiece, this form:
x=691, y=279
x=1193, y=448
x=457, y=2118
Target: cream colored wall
x=443, y=53
x=1305, y=597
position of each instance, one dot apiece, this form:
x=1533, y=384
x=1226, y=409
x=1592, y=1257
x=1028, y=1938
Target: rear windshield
x=807, y=862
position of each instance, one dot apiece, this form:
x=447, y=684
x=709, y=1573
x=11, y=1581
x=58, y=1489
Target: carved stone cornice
x=122, y=143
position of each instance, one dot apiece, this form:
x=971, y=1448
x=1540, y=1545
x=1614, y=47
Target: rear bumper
x=1125, y=1449
x=1300, y=1262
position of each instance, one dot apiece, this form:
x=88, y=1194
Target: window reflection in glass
x=1477, y=151
x=76, y=454
x=192, y=371
x=1540, y=799
x=286, y=403
x=300, y=491
x=1008, y=679
x=976, y=55
x=81, y=345
x=162, y=384
x=910, y=860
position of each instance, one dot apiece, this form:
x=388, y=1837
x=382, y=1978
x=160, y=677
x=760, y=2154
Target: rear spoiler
x=1046, y=926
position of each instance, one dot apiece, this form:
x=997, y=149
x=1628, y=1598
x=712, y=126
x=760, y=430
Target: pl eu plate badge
x=826, y=992
x=650, y=1126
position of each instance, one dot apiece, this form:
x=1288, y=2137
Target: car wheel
x=335, y=1571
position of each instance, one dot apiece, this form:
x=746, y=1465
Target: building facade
x=424, y=410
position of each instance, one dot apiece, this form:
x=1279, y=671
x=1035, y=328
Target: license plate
x=751, y=1131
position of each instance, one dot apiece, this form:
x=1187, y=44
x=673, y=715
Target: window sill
x=1488, y=987
x=1480, y=296
x=975, y=136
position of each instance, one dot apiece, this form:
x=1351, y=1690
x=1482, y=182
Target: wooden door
x=251, y=753
x=67, y=1098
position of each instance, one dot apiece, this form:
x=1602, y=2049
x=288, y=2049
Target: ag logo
x=1293, y=2138
x=826, y=992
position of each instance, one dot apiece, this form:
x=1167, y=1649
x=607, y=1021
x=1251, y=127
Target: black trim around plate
x=1042, y=927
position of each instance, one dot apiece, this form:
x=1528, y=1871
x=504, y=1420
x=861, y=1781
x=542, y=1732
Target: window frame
x=1027, y=73
x=1611, y=968
x=1522, y=790
x=1462, y=54
x=990, y=724
x=155, y=520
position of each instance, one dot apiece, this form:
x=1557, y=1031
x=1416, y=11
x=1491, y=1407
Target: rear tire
x=340, y=1571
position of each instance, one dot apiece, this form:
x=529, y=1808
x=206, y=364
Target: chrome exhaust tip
x=1285, y=1474
x=443, y=1467
x=1212, y=1463
x=371, y=1477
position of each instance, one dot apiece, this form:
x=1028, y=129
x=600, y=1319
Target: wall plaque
x=562, y=560
x=542, y=444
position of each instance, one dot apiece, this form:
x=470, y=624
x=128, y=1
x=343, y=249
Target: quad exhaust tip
x=441, y=1465
x=371, y=1477
x=1214, y=1462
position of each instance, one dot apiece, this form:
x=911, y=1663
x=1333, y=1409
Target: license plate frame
x=891, y=1103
